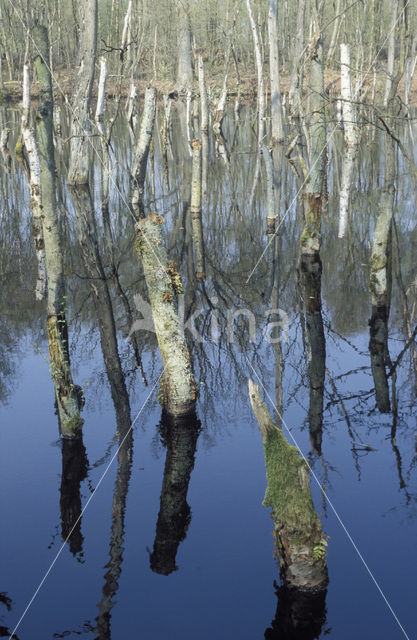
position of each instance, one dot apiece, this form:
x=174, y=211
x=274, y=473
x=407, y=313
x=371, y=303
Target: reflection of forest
x=327, y=303
x=232, y=249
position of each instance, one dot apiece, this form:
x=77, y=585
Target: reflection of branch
x=400, y=145
x=402, y=352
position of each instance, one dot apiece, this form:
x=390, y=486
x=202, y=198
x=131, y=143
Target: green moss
x=288, y=492
x=377, y=262
x=73, y=425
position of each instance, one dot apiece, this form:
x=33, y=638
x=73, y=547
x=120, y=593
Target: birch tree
x=79, y=163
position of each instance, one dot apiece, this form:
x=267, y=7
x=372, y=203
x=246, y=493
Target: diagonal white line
x=82, y=512
x=359, y=89
x=113, y=182
x=374, y=580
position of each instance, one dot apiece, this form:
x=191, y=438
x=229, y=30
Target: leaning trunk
x=299, y=537
x=163, y=284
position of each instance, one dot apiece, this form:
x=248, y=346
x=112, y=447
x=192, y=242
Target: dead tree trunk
x=391, y=53
x=164, y=283
x=297, y=63
x=276, y=105
x=299, y=537
x=184, y=69
x=142, y=151
x=316, y=196
x=196, y=217
x=351, y=138
x=259, y=70
x=34, y=178
x=66, y=393
x=79, y=163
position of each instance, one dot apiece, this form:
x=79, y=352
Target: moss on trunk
x=163, y=284
x=299, y=537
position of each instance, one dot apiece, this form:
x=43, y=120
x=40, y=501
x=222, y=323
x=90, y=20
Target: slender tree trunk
x=335, y=33
x=297, y=63
x=196, y=216
x=391, y=53
x=259, y=69
x=34, y=177
x=66, y=393
x=276, y=105
x=184, y=69
x=142, y=151
x=316, y=196
x=79, y=163
x=351, y=137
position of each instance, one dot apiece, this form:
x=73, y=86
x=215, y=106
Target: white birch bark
x=203, y=96
x=32, y=152
x=142, y=149
x=79, y=164
x=391, y=53
x=101, y=96
x=351, y=137
x=276, y=105
x=261, y=88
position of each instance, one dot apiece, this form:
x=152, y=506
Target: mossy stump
x=300, y=541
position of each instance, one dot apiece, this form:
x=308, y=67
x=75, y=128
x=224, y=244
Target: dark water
x=175, y=541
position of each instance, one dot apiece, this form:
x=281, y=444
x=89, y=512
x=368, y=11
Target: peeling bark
x=34, y=178
x=164, y=283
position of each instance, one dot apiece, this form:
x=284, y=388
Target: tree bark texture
x=34, y=177
x=277, y=127
x=66, y=393
x=142, y=151
x=79, y=163
x=316, y=196
x=164, y=283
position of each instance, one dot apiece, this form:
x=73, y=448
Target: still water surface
x=197, y=561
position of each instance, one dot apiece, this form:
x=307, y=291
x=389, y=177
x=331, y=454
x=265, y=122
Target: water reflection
x=74, y=471
x=300, y=615
x=311, y=269
x=179, y=436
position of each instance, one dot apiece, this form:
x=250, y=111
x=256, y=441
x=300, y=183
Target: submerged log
x=299, y=537
x=163, y=284
x=180, y=436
